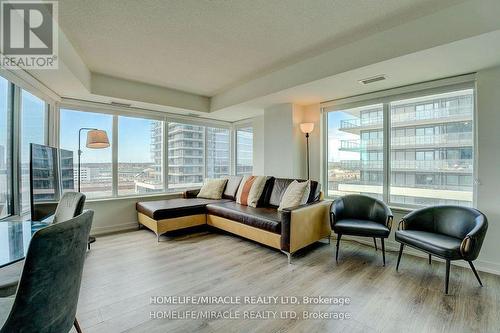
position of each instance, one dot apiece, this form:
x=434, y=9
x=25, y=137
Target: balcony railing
x=350, y=164
x=434, y=165
x=349, y=144
x=437, y=113
x=461, y=139
x=434, y=114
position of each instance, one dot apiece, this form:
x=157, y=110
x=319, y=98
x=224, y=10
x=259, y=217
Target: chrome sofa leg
x=157, y=238
x=289, y=256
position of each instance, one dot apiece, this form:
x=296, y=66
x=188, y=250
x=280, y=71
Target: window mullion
x=16, y=148
x=165, y=155
x=114, y=158
x=387, y=151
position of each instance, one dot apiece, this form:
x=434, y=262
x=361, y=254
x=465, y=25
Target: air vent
x=372, y=79
x=127, y=105
x=191, y=114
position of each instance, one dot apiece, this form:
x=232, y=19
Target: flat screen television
x=51, y=174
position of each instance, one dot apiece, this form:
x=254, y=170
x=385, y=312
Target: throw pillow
x=212, y=189
x=250, y=190
x=296, y=194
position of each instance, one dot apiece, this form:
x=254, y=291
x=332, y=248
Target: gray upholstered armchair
x=361, y=215
x=48, y=290
x=448, y=232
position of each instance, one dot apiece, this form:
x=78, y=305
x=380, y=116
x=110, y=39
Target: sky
x=133, y=135
x=335, y=136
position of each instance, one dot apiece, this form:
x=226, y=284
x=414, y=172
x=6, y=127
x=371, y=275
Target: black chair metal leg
x=375, y=242
x=399, y=255
x=447, y=277
x=475, y=272
x=430, y=256
x=383, y=250
x=77, y=326
x=338, y=244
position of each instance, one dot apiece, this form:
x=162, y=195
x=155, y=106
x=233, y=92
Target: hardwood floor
x=123, y=271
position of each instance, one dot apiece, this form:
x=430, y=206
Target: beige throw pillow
x=250, y=190
x=212, y=189
x=296, y=194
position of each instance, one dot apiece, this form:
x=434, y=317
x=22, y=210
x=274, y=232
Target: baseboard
x=481, y=265
x=99, y=231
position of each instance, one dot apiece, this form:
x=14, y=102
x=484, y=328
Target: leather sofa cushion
x=233, y=182
x=441, y=245
x=166, y=209
x=265, y=218
x=281, y=184
x=363, y=228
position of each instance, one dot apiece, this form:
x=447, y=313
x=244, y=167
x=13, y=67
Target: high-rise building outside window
x=186, y=155
x=430, y=152
x=5, y=151
x=244, y=151
x=432, y=149
x=218, y=152
x=33, y=130
x=355, y=154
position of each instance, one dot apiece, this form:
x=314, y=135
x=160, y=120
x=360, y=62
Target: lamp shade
x=306, y=127
x=97, y=139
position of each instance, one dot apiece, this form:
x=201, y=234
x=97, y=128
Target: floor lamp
x=307, y=128
x=96, y=139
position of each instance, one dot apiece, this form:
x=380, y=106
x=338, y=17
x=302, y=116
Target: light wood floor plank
x=123, y=271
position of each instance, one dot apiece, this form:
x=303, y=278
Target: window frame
x=237, y=127
x=385, y=97
x=165, y=118
x=19, y=81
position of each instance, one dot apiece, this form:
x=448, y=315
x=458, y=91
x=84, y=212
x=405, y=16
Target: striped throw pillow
x=250, y=190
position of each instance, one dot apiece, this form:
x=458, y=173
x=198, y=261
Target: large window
x=96, y=174
x=218, y=152
x=186, y=160
x=432, y=149
x=144, y=163
x=244, y=151
x=429, y=155
x=140, y=156
x=5, y=142
x=355, y=151
x=33, y=130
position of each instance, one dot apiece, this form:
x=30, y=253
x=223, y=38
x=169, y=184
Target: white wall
x=488, y=190
x=279, y=142
x=258, y=145
x=117, y=214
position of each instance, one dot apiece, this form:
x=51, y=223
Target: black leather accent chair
x=448, y=232
x=361, y=215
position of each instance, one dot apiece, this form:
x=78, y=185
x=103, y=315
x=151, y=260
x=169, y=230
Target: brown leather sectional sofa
x=288, y=230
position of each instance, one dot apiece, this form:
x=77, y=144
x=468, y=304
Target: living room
x=235, y=166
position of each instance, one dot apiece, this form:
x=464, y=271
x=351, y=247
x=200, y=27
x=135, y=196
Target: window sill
x=128, y=197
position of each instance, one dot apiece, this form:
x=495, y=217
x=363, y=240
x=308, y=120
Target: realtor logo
x=29, y=34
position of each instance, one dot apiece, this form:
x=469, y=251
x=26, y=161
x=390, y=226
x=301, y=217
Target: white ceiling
x=208, y=46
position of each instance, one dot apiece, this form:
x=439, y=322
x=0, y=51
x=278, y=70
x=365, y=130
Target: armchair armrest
x=191, y=193
x=304, y=225
x=472, y=242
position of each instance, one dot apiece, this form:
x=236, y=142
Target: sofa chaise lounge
x=289, y=230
